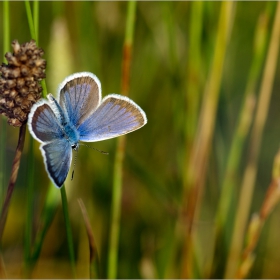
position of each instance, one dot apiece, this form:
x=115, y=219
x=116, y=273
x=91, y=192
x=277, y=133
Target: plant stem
x=118, y=165
x=193, y=98
x=193, y=94
x=116, y=209
x=34, y=30
x=30, y=19
x=248, y=182
x=68, y=229
x=244, y=123
x=6, y=26
x=46, y=218
x=93, y=255
x=258, y=220
x=44, y=86
x=237, y=146
x=33, y=26
x=196, y=169
x=3, y=137
x=29, y=216
x=14, y=173
x=36, y=21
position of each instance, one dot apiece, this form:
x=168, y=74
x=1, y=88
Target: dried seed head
x=19, y=81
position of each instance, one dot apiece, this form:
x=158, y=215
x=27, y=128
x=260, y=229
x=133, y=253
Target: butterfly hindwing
x=116, y=115
x=56, y=150
x=42, y=122
x=79, y=95
x=57, y=157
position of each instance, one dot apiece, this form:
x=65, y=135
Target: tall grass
x=239, y=138
x=120, y=152
x=30, y=183
x=248, y=182
x=196, y=169
x=191, y=194
x=3, y=137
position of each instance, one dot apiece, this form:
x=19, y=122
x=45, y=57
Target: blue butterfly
x=79, y=115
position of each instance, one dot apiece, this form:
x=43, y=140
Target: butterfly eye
x=75, y=147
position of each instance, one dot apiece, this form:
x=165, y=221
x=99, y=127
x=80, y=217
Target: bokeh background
x=173, y=60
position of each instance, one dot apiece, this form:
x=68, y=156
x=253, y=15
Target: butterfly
x=79, y=114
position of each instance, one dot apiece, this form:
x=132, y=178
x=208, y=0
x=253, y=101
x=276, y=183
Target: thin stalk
x=44, y=86
x=30, y=208
x=3, y=273
x=258, y=220
x=36, y=36
x=248, y=182
x=169, y=18
x=118, y=165
x=6, y=26
x=94, y=271
x=33, y=26
x=193, y=95
x=46, y=219
x=240, y=135
x=116, y=210
x=3, y=137
x=68, y=230
x=13, y=177
x=34, y=31
x=196, y=169
x=244, y=123
x=36, y=21
x=52, y=199
x=30, y=19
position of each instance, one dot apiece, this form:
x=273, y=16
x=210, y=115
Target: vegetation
x=192, y=194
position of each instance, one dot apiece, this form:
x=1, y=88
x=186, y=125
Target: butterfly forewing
x=116, y=115
x=79, y=96
x=43, y=124
x=57, y=156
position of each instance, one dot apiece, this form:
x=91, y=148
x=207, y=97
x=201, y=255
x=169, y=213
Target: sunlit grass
x=165, y=203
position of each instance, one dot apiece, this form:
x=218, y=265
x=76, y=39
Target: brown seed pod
x=19, y=81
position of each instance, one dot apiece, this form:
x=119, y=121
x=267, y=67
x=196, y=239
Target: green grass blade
x=3, y=136
x=68, y=229
x=118, y=165
x=48, y=212
x=196, y=169
x=30, y=208
x=36, y=21
x=94, y=271
x=33, y=28
x=249, y=178
x=238, y=142
x=30, y=19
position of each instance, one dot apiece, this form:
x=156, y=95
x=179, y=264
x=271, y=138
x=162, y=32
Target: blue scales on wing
x=56, y=150
x=79, y=96
x=116, y=115
x=57, y=157
x=44, y=123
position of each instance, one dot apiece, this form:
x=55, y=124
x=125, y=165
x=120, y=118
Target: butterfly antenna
x=75, y=160
x=102, y=152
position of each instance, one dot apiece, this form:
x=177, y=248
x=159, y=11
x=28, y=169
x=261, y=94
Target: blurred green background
x=170, y=69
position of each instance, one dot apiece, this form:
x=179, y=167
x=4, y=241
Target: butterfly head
x=75, y=146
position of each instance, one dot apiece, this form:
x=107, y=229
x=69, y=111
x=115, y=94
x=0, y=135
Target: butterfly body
x=70, y=132
x=79, y=115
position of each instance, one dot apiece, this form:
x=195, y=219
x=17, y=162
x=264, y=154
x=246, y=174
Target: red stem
x=13, y=178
